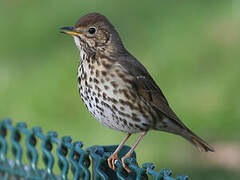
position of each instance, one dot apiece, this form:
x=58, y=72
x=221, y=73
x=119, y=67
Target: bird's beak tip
x=62, y=32
x=67, y=28
x=69, y=31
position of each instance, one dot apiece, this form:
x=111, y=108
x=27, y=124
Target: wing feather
x=146, y=87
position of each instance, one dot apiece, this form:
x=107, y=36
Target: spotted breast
x=107, y=93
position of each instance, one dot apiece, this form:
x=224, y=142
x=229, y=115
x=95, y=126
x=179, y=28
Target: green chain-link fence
x=72, y=160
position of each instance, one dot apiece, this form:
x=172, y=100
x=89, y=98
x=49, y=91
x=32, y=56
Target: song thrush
x=118, y=90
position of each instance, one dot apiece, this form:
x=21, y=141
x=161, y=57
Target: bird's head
x=94, y=32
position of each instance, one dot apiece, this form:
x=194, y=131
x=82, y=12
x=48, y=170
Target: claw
x=111, y=161
x=123, y=162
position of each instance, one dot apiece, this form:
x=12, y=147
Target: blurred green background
x=191, y=48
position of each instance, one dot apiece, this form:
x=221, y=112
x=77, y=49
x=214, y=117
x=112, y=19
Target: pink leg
x=114, y=156
x=131, y=151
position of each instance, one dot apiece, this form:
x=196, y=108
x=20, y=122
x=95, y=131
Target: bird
x=118, y=90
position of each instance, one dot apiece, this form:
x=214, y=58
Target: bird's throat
x=77, y=42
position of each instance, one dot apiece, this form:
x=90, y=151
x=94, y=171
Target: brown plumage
x=117, y=89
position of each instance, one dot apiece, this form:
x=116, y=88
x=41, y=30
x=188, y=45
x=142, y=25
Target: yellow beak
x=69, y=31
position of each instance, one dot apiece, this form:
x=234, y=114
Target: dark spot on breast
x=104, y=96
x=90, y=79
x=126, y=80
x=95, y=80
x=115, y=91
x=96, y=100
x=106, y=65
x=121, y=90
x=102, y=80
x=114, y=107
x=97, y=73
x=85, y=76
x=144, y=124
x=134, y=114
x=137, y=126
x=122, y=108
x=101, y=113
x=121, y=75
x=82, y=68
x=136, y=119
x=101, y=109
x=88, y=59
x=121, y=101
x=104, y=73
x=125, y=93
x=112, y=75
x=91, y=72
x=133, y=95
x=124, y=121
x=94, y=56
x=112, y=100
x=114, y=84
x=145, y=116
x=106, y=105
x=124, y=114
x=97, y=88
x=106, y=87
x=79, y=80
x=98, y=63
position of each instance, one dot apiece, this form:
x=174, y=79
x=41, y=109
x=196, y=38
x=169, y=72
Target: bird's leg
x=114, y=156
x=128, y=155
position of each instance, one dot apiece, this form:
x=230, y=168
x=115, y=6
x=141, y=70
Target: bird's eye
x=92, y=30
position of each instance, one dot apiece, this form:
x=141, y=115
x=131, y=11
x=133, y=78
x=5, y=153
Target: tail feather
x=197, y=141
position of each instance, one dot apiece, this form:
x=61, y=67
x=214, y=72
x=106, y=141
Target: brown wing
x=147, y=88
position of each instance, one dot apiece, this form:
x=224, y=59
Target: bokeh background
x=191, y=48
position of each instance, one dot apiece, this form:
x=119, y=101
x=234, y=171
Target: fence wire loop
x=72, y=161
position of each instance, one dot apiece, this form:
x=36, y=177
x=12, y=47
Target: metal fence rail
x=72, y=160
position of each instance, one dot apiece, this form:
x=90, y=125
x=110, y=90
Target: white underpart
x=77, y=42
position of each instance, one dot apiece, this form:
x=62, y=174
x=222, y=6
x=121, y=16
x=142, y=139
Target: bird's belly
x=110, y=114
x=112, y=104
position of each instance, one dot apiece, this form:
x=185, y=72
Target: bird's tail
x=197, y=141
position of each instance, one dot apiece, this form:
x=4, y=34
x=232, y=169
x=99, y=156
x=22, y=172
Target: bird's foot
x=111, y=161
x=128, y=155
